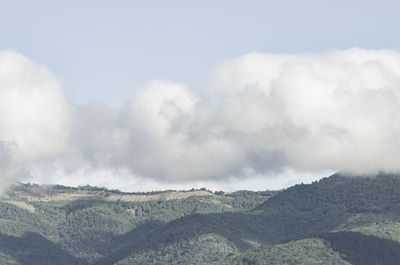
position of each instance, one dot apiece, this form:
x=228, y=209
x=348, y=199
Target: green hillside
x=337, y=220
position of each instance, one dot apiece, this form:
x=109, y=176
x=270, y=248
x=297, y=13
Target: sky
x=145, y=95
x=128, y=43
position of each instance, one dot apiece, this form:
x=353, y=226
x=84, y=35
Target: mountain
x=337, y=220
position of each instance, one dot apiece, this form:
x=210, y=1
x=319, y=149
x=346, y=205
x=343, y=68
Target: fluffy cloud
x=34, y=115
x=271, y=117
x=336, y=110
x=33, y=110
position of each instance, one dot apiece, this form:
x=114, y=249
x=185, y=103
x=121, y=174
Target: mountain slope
x=90, y=226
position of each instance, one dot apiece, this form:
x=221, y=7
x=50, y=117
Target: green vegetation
x=310, y=251
x=337, y=220
x=361, y=249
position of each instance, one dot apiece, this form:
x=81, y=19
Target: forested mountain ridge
x=337, y=220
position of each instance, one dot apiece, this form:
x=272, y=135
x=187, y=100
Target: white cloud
x=337, y=110
x=34, y=113
x=277, y=115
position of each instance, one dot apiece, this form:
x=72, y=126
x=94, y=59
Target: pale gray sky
x=105, y=50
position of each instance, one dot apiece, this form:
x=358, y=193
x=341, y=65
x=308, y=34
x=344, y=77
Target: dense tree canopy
x=337, y=220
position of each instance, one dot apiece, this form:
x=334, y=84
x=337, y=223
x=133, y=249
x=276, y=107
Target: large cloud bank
x=268, y=115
